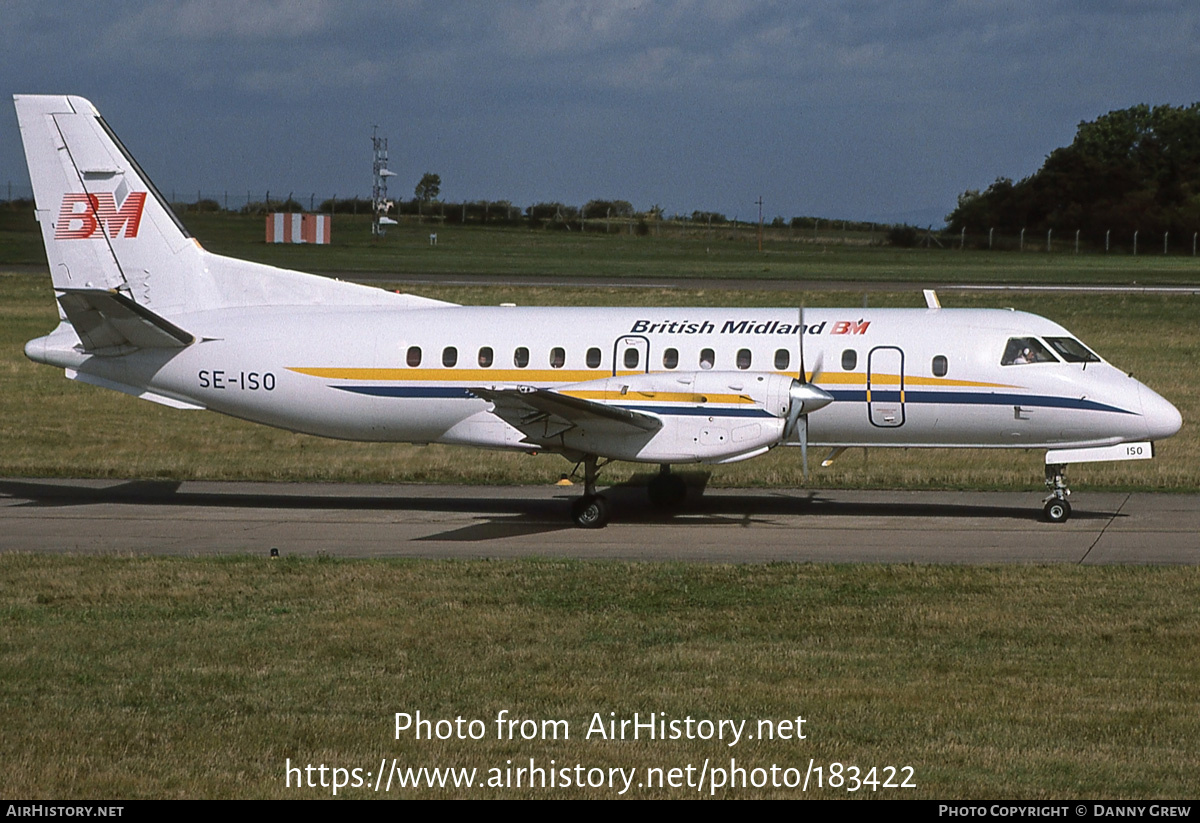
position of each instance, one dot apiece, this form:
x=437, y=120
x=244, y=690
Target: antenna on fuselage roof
x=931, y=299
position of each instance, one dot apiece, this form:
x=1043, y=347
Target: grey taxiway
x=722, y=525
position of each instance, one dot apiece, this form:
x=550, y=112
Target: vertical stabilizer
x=104, y=224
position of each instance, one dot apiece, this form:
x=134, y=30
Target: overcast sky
x=863, y=110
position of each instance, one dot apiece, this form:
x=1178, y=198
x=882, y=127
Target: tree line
x=1136, y=169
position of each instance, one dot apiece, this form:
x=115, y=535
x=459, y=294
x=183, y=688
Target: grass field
x=678, y=253
x=130, y=677
x=723, y=253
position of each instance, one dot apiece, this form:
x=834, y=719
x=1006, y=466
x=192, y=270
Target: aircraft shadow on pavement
x=509, y=516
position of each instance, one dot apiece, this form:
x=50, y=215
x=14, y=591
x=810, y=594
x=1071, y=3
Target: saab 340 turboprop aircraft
x=145, y=310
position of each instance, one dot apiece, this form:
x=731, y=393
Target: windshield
x=1072, y=350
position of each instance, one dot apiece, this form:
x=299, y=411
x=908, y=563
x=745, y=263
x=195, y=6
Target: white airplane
x=145, y=310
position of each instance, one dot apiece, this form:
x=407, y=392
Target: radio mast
x=380, y=205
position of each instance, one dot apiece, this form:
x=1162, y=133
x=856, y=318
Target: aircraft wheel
x=667, y=491
x=1057, y=511
x=590, y=512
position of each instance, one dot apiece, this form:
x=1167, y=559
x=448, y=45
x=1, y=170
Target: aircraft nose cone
x=1162, y=419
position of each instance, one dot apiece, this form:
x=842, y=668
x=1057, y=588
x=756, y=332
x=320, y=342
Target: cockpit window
x=1072, y=350
x=1022, y=350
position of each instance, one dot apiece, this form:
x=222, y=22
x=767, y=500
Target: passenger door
x=885, y=387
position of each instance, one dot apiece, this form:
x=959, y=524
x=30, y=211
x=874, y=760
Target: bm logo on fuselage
x=81, y=215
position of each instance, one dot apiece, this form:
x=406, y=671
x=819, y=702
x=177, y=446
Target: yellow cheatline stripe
x=660, y=396
x=447, y=375
x=942, y=381
x=860, y=378
x=511, y=375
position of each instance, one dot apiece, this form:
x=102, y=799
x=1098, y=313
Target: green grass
x=722, y=253
x=50, y=426
x=672, y=252
x=134, y=677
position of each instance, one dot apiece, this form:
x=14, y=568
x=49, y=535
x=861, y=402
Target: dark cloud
x=857, y=109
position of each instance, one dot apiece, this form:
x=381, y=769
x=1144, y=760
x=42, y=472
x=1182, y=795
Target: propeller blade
x=818, y=367
x=800, y=339
x=789, y=428
x=804, y=446
x=805, y=398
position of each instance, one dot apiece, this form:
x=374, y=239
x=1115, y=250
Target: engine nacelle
x=707, y=416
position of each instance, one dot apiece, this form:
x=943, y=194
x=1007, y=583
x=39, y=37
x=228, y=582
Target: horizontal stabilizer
x=140, y=392
x=106, y=319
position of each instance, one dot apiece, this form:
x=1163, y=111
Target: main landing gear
x=591, y=510
x=1057, y=509
x=666, y=490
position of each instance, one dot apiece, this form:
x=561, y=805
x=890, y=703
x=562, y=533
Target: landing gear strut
x=1057, y=509
x=666, y=490
x=591, y=510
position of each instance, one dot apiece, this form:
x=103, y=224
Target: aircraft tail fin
x=108, y=230
x=104, y=225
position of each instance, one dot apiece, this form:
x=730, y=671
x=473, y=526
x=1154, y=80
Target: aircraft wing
x=544, y=413
x=106, y=319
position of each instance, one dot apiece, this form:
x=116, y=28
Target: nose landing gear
x=1056, y=508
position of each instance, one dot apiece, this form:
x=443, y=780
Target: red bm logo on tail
x=81, y=214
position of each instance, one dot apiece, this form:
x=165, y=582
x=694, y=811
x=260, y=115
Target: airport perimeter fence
x=1055, y=241
x=591, y=218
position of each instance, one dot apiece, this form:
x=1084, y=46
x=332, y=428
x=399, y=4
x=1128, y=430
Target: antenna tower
x=380, y=205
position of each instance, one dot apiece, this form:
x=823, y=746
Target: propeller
x=805, y=398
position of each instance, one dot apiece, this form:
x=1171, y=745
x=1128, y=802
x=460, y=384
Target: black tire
x=1057, y=511
x=590, y=512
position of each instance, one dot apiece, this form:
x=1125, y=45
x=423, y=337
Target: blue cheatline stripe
x=980, y=399
x=946, y=397
x=422, y=392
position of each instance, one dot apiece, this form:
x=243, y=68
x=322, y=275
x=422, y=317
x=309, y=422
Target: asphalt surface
x=721, y=525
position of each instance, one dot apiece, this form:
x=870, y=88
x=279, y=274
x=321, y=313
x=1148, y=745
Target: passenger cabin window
x=707, y=359
x=1023, y=350
x=558, y=357
x=631, y=358
x=449, y=357
x=1071, y=350
x=670, y=358
x=849, y=360
x=783, y=359
x=743, y=358
x=521, y=357
x=940, y=365
x=485, y=357
x=593, y=358
x=413, y=358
